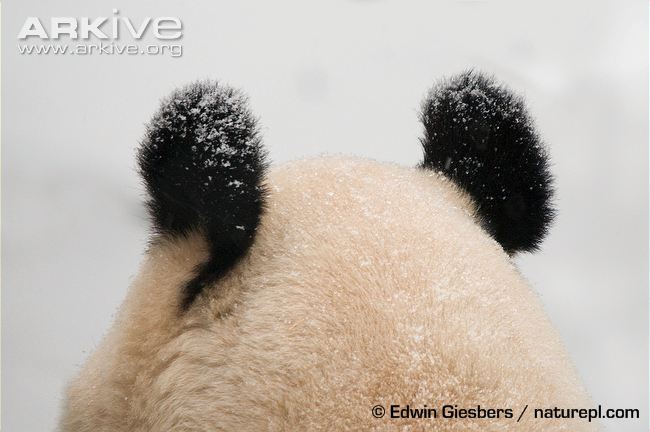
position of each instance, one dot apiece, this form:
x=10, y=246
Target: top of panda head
x=204, y=166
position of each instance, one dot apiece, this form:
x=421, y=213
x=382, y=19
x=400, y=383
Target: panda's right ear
x=480, y=135
x=203, y=166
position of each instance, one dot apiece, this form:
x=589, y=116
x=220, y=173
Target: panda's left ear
x=480, y=135
x=203, y=166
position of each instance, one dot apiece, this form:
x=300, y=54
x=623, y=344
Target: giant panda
x=336, y=292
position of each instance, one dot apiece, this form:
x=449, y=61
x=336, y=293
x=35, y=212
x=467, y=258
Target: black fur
x=479, y=134
x=203, y=166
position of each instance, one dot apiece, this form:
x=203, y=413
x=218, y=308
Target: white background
x=335, y=77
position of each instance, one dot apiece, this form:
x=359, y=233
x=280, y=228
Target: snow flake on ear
x=203, y=165
x=479, y=134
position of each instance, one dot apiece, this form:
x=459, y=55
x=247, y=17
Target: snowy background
x=335, y=77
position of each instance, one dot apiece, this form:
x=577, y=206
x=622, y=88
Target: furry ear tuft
x=203, y=166
x=479, y=134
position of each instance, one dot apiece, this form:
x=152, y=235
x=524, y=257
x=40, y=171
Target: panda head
x=299, y=297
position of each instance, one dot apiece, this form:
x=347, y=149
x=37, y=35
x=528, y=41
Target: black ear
x=479, y=134
x=203, y=167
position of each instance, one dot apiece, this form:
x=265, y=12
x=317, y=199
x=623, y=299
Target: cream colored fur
x=367, y=284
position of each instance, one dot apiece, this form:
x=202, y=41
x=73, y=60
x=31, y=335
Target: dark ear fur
x=479, y=134
x=203, y=166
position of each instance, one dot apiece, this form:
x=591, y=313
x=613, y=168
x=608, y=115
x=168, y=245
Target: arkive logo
x=111, y=28
x=104, y=35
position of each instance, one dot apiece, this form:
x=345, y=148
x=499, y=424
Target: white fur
x=367, y=284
